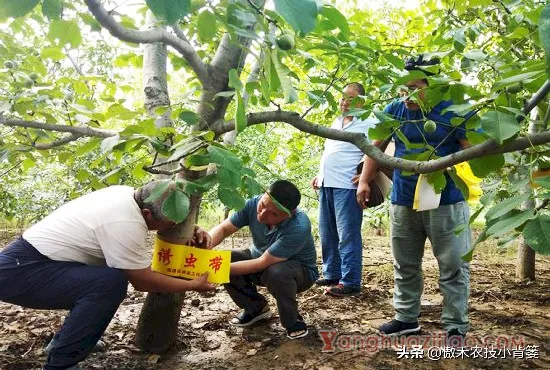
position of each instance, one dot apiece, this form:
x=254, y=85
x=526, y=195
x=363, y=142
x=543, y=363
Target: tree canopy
x=72, y=91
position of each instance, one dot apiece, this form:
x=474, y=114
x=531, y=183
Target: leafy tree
x=210, y=68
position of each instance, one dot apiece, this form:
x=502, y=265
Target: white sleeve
x=124, y=245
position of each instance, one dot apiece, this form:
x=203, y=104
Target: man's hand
x=201, y=238
x=355, y=179
x=315, y=183
x=363, y=194
x=201, y=284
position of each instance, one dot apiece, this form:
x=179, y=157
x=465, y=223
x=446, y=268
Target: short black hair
x=286, y=193
x=414, y=64
x=357, y=86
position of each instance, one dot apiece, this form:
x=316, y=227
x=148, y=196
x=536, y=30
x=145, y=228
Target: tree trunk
x=525, y=258
x=157, y=328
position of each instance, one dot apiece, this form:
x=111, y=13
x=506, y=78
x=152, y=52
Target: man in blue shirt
x=282, y=257
x=409, y=228
x=340, y=216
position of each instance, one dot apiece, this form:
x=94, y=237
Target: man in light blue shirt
x=340, y=216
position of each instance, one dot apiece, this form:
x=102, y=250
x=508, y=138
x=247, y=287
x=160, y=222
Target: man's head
x=350, y=93
x=152, y=210
x=278, y=203
x=420, y=84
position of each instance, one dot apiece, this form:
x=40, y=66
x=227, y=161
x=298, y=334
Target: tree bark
x=525, y=258
x=157, y=326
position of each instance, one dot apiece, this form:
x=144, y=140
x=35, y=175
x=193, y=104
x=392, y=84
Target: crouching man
x=81, y=258
x=282, y=257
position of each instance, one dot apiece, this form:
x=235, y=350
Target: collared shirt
x=291, y=239
x=446, y=138
x=340, y=158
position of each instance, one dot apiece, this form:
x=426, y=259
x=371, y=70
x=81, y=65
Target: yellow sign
x=189, y=262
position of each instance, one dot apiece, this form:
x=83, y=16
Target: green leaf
x=240, y=114
x=231, y=199
x=225, y=94
x=301, y=15
x=544, y=33
x=537, y=234
x=225, y=158
x=67, y=32
x=201, y=185
x=380, y=132
x=395, y=61
x=522, y=77
x=169, y=11
x=206, y=24
x=16, y=8
x=228, y=179
x=475, y=54
x=189, y=117
x=336, y=18
x=234, y=80
x=52, y=8
x=253, y=187
x=543, y=181
x=482, y=167
x=509, y=222
x=459, y=183
x=506, y=206
x=283, y=75
x=158, y=191
x=499, y=126
x=437, y=180
x=176, y=206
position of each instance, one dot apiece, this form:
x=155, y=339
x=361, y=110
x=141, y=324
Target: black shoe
x=247, y=318
x=341, y=290
x=455, y=338
x=396, y=327
x=327, y=282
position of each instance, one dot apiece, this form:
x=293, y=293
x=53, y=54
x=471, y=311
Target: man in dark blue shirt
x=410, y=228
x=282, y=257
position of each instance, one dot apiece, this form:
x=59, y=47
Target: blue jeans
x=91, y=293
x=409, y=230
x=340, y=220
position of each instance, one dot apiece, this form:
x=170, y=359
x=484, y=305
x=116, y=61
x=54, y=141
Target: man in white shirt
x=81, y=258
x=340, y=216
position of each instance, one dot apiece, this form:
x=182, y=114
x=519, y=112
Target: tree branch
x=360, y=140
x=76, y=130
x=56, y=143
x=147, y=37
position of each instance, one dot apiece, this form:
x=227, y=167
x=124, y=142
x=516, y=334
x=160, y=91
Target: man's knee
x=115, y=285
x=277, y=274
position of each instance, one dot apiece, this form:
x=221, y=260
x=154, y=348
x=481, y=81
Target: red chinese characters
x=190, y=261
x=216, y=263
x=164, y=256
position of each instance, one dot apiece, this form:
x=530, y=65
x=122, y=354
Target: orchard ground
x=503, y=311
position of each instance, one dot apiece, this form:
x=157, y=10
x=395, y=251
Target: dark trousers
x=91, y=293
x=283, y=280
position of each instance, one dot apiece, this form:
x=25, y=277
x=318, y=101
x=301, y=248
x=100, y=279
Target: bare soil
x=499, y=306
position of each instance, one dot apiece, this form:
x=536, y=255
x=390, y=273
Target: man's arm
x=220, y=232
x=370, y=167
x=254, y=265
x=146, y=280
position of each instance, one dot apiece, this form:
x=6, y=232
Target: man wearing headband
x=282, y=257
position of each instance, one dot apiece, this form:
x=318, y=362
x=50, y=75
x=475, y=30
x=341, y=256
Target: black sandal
x=298, y=330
